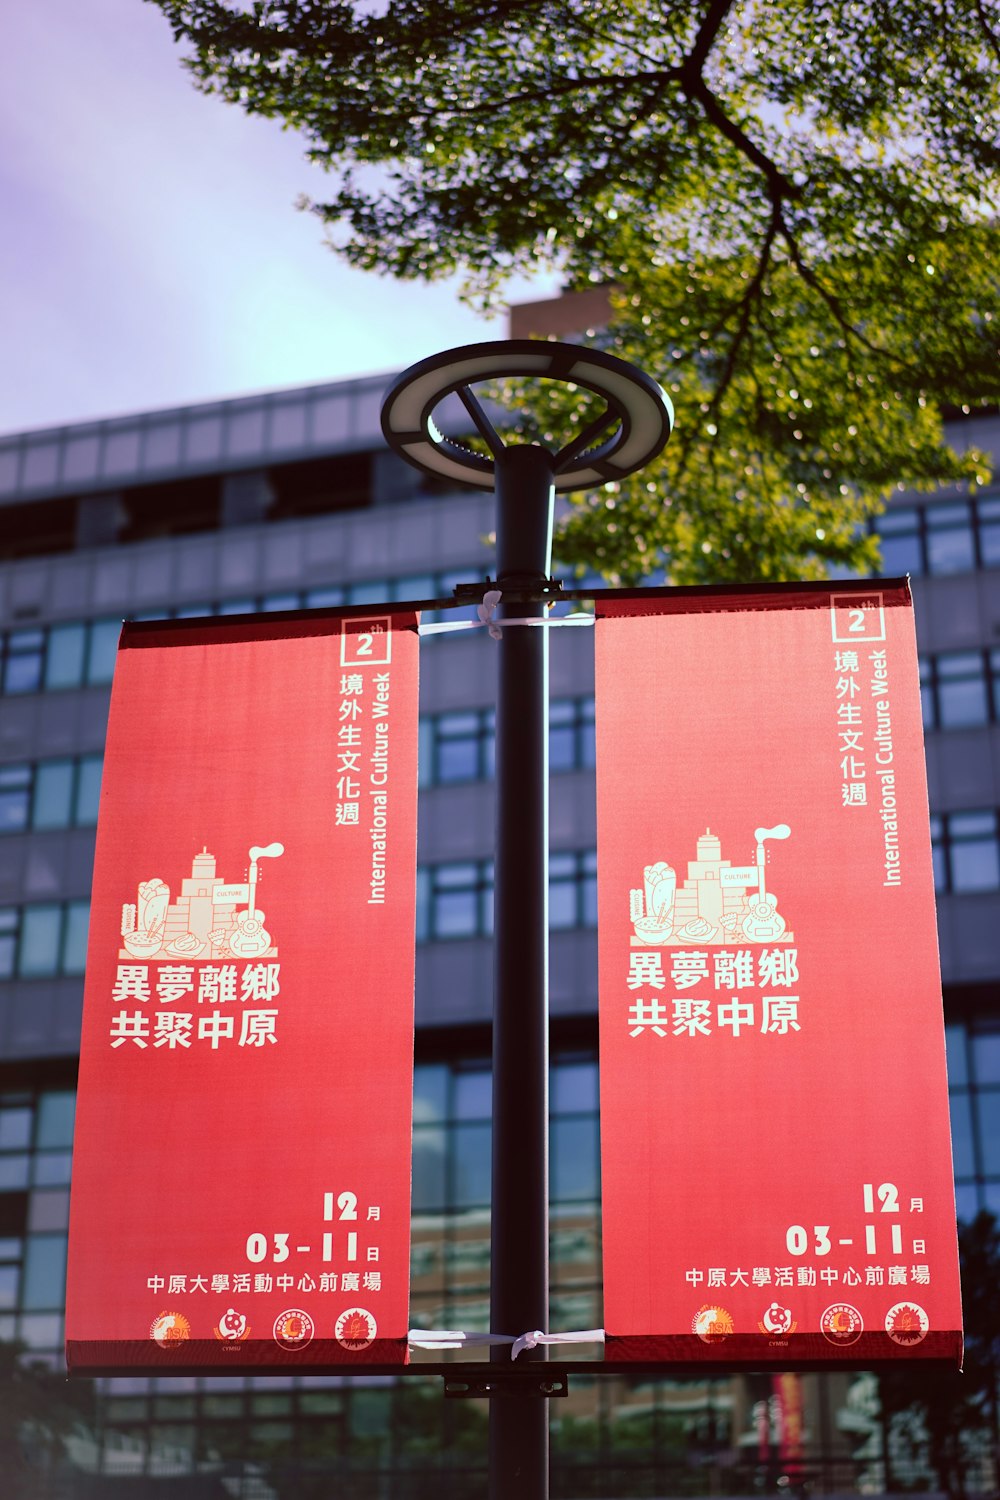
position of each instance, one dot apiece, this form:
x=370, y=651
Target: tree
x=794, y=201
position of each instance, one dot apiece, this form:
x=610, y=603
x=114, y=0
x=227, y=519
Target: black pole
x=519, y=1290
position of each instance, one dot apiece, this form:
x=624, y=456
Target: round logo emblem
x=712, y=1324
x=842, y=1324
x=777, y=1320
x=233, y=1328
x=293, y=1329
x=170, y=1329
x=355, y=1328
x=906, y=1324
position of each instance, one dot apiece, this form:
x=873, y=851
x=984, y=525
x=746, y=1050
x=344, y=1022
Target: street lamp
x=631, y=428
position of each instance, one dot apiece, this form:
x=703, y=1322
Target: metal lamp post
x=631, y=429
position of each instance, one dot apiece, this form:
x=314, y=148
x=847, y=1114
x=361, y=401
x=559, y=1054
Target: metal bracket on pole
x=515, y=590
x=528, y=1382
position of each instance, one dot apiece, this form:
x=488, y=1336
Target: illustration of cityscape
x=211, y=918
x=718, y=902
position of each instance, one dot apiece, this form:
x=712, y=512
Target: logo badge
x=777, y=1321
x=355, y=1329
x=233, y=1328
x=841, y=1324
x=712, y=1324
x=907, y=1324
x=293, y=1329
x=170, y=1329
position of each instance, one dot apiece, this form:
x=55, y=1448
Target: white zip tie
x=454, y=1338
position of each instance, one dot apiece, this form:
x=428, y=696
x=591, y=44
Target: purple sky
x=150, y=250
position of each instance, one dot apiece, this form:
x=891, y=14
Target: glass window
x=44, y=1271
x=48, y=1210
x=962, y=699
x=80, y=456
x=245, y=431
x=961, y=1135
x=74, y=957
x=473, y=1097
x=562, y=736
x=428, y=1169
x=574, y=1159
x=203, y=437
x=41, y=464
x=40, y=941
x=986, y=1056
x=56, y=1112
x=574, y=1087
x=43, y=1331
x=51, y=1168
x=471, y=1163
x=8, y=468
x=88, y=790
x=988, y=1112
x=975, y=858
x=287, y=424
x=989, y=533
x=9, y=1276
x=8, y=940
x=457, y=747
x=15, y=797
x=416, y=586
x=430, y=1092
x=161, y=445
x=278, y=601
x=374, y=591
x=456, y=901
x=13, y=1172
x=103, y=650
x=958, y=1072
x=23, y=667
x=121, y=451
x=325, y=598
x=64, y=658
x=237, y=607
x=330, y=415
x=950, y=546
x=53, y=800
x=15, y=1129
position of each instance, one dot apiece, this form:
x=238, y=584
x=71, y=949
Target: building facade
x=291, y=500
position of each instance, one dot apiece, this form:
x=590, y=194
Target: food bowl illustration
x=143, y=944
x=654, y=929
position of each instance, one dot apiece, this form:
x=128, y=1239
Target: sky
x=150, y=250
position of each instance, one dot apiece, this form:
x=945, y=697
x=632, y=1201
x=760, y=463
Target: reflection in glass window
x=988, y=1111
x=961, y=1135
x=15, y=1128
x=77, y=921
x=88, y=789
x=9, y=924
x=989, y=533
x=471, y=1165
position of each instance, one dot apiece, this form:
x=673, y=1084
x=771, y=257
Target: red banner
x=777, y=1174
x=241, y=1180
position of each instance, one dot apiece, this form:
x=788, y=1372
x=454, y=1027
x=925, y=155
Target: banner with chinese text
x=241, y=1180
x=777, y=1179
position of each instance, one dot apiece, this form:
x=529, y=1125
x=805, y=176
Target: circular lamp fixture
x=637, y=411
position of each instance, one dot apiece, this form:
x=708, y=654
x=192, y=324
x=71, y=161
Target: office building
x=289, y=500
